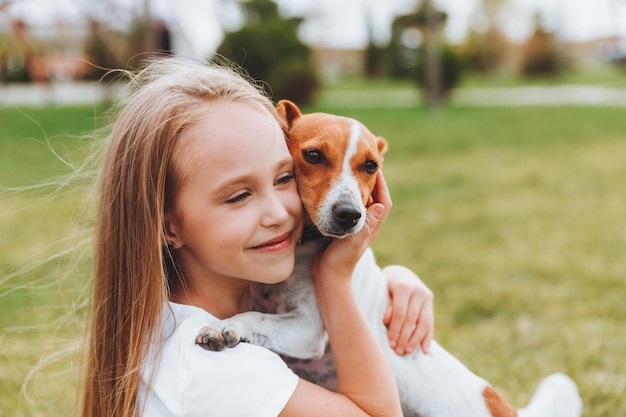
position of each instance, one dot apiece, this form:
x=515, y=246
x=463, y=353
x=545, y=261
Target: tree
x=484, y=51
x=433, y=85
x=109, y=48
x=418, y=53
x=485, y=46
x=268, y=47
x=540, y=53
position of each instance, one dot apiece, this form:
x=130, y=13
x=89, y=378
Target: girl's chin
x=276, y=274
x=275, y=279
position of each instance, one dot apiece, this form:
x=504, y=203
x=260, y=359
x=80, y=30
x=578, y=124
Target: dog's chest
x=285, y=296
x=288, y=295
x=318, y=371
x=268, y=299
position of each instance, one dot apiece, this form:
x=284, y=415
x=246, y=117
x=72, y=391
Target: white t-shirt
x=190, y=381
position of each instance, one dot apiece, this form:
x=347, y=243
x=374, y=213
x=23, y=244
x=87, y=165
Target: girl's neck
x=221, y=301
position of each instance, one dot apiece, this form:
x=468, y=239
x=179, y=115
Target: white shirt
x=244, y=381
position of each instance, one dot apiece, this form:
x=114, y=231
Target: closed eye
x=285, y=179
x=239, y=197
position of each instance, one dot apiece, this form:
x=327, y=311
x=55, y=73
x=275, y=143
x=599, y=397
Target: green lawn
x=515, y=217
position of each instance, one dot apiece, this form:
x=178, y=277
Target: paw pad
x=214, y=339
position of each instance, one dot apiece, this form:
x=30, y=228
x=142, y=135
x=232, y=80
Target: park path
x=57, y=93
x=588, y=95
x=591, y=95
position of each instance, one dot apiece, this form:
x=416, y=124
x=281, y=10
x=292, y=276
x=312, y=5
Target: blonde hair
x=133, y=269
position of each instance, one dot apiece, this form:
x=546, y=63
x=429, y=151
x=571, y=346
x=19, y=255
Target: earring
x=171, y=245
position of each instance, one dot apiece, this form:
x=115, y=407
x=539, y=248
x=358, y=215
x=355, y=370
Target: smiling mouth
x=275, y=245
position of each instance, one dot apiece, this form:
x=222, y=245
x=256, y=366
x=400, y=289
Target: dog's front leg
x=298, y=333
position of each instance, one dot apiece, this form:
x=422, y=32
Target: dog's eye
x=313, y=156
x=370, y=167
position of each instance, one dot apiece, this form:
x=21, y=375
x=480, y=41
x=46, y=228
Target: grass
x=604, y=75
x=43, y=269
x=513, y=216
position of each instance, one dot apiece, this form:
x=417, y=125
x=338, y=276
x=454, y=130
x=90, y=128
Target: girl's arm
x=365, y=383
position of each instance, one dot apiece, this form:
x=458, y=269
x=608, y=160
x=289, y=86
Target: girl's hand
x=342, y=255
x=409, y=316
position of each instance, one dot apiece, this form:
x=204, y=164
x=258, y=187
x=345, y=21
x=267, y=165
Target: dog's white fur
x=289, y=323
x=345, y=188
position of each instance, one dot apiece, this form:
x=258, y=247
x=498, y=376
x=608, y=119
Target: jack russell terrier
x=336, y=160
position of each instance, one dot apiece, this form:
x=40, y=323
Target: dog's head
x=336, y=162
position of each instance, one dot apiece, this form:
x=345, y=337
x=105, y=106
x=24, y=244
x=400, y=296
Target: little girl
x=198, y=201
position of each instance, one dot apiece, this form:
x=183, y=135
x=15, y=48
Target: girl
x=197, y=201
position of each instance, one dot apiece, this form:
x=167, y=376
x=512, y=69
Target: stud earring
x=171, y=245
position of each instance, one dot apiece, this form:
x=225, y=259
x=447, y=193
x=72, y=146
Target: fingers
x=423, y=333
x=387, y=315
x=407, y=332
x=344, y=253
x=428, y=337
x=409, y=315
x=376, y=214
x=404, y=337
x=380, y=193
x=397, y=322
x=378, y=207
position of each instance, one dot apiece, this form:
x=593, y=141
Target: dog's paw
x=216, y=339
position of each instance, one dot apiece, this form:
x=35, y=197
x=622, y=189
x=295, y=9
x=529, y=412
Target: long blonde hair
x=133, y=268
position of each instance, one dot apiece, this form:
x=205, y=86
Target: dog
x=336, y=160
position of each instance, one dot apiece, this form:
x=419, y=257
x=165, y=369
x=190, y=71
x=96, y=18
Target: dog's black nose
x=346, y=215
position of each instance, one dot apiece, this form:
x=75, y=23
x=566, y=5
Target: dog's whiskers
x=310, y=232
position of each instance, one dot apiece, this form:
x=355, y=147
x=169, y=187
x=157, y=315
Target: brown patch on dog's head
x=318, y=143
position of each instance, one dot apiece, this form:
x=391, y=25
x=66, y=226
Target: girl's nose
x=274, y=211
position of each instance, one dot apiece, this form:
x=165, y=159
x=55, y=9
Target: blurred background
x=298, y=46
x=506, y=164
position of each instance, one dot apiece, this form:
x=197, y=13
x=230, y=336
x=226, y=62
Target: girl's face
x=237, y=212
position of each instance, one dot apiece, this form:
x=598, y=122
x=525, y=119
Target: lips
x=277, y=244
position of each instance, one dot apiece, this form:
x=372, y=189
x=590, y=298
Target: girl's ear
x=171, y=232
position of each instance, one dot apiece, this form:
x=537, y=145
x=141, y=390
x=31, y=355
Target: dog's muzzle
x=346, y=215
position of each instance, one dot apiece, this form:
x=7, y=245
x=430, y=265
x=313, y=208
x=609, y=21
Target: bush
x=540, y=54
x=484, y=52
x=295, y=80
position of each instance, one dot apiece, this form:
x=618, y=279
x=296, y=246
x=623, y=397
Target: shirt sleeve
x=243, y=381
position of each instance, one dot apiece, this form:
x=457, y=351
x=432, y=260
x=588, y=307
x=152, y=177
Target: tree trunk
x=434, y=96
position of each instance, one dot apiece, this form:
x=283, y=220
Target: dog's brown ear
x=288, y=112
x=382, y=145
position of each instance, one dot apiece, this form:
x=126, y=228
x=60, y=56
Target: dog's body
x=335, y=180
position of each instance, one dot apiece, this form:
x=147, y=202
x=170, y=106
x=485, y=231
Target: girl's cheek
x=296, y=203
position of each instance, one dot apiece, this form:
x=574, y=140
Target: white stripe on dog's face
x=345, y=189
